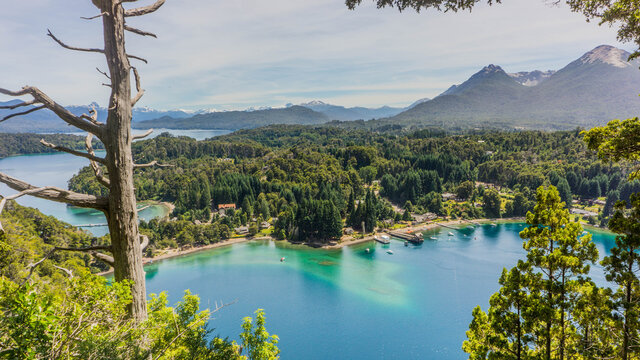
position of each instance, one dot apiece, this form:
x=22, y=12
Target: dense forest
x=17, y=144
x=310, y=182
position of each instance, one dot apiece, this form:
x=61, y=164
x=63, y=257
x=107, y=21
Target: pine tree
x=559, y=254
x=622, y=268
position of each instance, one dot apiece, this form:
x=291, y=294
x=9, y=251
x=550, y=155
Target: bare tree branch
x=144, y=243
x=138, y=87
x=139, y=32
x=24, y=103
x=94, y=17
x=22, y=113
x=56, y=194
x=58, y=109
x=93, y=116
x=145, y=9
x=137, y=58
x=50, y=34
x=73, y=152
x=142, y=136
x=153, y=163
x=97, y=170
x=15, y=196
x=104, y=73
x=67, y=271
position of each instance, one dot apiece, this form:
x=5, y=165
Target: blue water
x=347, y=304
x=56, y=170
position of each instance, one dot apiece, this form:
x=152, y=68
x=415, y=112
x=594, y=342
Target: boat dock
x=412, y=238
x=447, y=226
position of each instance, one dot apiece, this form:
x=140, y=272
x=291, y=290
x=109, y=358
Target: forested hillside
x=17, y=144
x=313, y=181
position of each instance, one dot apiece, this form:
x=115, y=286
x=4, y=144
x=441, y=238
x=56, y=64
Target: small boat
x=367, y=250
x=383, y=239
x=494, y=224
x=433, y=238
x=450, y=233
x=390, y=252
x=406, y=243
x=282, y=259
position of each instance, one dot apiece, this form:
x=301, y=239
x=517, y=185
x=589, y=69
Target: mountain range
x=599, y=86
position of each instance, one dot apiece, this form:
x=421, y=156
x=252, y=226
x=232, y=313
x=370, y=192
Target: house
x=448, y=196
x=242, y=230
x=348, y=231
x=223, y=208
x=265, y=225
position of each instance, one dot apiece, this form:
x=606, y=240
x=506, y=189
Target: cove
x=350, y=304
x=57, y=168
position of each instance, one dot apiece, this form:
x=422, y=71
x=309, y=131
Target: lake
x=57, y=168
x=349, y=304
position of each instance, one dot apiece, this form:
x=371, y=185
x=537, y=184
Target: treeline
x=21, y=144
x=298, y=176
x=548, y=307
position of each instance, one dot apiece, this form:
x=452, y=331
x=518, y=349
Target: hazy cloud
x=235, y=54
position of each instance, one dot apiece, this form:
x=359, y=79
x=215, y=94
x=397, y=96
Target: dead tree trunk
x=120, y=205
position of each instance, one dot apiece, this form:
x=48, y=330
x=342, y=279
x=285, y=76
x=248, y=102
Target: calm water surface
x=56, y=170
x=347, y=304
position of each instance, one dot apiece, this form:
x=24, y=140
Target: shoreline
x=173, y=253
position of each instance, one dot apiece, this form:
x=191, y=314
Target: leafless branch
x=145, y=9
x=107, y=85
x=97, y=170
x=89, y=249
x=22, y=113
x=144, y=243
x=15, y=196
x=142, y=136
x=218, y=308
x=94, y=17
x=24, y=103
x=73, y=152
x=139, y=32
x=138, y=87
x=92, y=116
x=58, y=109
x=50, y=34
x=56, y=194
x=153, y=163
x=104, y=73
x=67, y=271
x=137, y=58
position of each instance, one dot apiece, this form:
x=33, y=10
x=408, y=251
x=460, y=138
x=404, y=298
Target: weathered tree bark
x=120, y=206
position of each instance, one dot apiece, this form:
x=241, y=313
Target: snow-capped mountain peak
x=607, y=54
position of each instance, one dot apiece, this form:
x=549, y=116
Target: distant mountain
x=233, y=120
x=46, y=121
x=532, y=78
x=336, y=112
x=599, y=86
x=416, y=103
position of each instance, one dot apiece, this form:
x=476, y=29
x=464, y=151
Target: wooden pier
x=412, y=238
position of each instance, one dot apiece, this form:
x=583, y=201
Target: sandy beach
x=347, y=241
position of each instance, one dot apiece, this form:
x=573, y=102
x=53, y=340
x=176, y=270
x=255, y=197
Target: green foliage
x=257, y=341
x=87, y=319
x=617, y=140
x=492, y=203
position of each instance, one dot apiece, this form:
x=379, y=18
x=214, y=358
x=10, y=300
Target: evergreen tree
x=559, y=255
x=565, y=192
x=622, y=268
x=491, y=204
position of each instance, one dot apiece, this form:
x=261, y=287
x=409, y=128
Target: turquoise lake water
x=56, y=170
x=327, y=304
x=348, y=304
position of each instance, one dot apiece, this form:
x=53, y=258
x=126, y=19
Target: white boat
x=494, y=224
x=390, y=252
x=450, y=233
x=433, y=238
x=367, y=250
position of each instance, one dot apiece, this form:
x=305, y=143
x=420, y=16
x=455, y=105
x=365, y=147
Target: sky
x=225, y=55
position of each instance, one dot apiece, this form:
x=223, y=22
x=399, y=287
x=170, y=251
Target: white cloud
x=233, y=54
